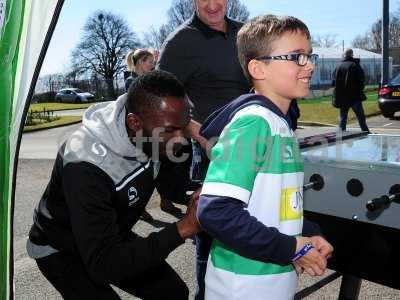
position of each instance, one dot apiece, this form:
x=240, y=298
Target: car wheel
x=388, y=114
x=78, y=100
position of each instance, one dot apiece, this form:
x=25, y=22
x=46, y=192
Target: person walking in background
x=138, y=62
x=348, y=80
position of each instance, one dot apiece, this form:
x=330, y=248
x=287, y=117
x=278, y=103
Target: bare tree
x=237, y=11
x=105, y=41
x=376, y=35
x=180, y=11
x=52, y=82
x=363, y=42
x=324, y=41
x=154, y=38
x=394, y=31
x=372, y=39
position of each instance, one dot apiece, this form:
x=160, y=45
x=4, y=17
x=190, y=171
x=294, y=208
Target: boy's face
x=286, y=80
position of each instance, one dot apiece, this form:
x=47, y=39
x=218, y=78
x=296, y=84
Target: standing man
x=348, y=80
x=202, y=53
x=102, y=179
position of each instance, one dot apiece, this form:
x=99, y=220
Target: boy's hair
x=147, y=92
x=255, y=38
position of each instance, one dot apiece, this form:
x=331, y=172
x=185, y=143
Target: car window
x=78, y=91
x=395, y=80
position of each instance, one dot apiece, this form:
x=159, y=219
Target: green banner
x=25, y=30
x=11, y=21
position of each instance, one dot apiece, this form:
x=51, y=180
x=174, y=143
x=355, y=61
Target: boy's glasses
x=300, y=58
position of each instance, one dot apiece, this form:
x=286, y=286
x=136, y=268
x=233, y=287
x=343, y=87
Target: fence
x=38, y=117
x=322, y=78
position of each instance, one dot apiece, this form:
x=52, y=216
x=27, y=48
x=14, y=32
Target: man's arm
x=108, y=256
x=334, y=78
x=360, y=76
x=192, y=130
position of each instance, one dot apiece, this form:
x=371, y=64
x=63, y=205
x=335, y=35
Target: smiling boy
x=251, y=201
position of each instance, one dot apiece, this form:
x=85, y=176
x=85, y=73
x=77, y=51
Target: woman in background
x=138, y=62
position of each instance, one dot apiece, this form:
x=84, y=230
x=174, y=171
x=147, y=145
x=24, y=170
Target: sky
x=343, y=18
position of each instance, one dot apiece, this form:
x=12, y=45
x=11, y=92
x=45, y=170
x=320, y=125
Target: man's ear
x=257, y=69
x=133, y=122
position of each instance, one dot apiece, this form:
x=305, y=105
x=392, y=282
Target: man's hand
x=192, y=131
x=322, y=245
x=189, y=225
x=312, y=262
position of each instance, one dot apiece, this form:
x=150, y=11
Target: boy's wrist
x=303, y=251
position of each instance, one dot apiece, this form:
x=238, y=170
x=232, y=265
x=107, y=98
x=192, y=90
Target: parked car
x=389, y=97
x=73, y=95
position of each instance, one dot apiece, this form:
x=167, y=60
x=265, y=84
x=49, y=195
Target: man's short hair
x=348, y=53
x=255, y=38
x=146, y=93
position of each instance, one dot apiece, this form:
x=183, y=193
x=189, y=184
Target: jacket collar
x=208, y=31
x=215, y=123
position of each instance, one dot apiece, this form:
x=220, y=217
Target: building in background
x=329, y=58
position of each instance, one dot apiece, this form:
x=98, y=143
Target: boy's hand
x=312, y=262
x=299, y=270
x=322, y=245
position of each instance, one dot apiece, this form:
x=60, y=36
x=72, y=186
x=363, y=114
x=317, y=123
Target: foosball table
x=352, y=190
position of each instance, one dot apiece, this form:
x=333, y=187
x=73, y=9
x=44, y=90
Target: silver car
x=74, y=95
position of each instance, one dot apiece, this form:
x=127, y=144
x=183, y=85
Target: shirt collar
x=208, y=31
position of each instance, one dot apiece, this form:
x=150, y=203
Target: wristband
x=303, y=251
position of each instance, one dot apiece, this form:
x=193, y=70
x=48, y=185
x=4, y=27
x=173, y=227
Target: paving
x=30, y=284
x=32, y=178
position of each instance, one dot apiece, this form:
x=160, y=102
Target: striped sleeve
x=237, y=157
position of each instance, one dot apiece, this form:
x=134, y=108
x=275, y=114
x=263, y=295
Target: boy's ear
x=257, y=69
x=133, y=122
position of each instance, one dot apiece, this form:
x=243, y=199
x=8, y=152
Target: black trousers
x=68, y=275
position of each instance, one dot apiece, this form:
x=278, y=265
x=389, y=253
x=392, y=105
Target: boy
x=251, y=200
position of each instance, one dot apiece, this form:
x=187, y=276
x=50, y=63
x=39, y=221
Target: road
x=44, y=144
x=71, y=112
x=379, y=122
x=37, y=153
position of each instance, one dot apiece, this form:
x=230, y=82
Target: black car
x=389, y=97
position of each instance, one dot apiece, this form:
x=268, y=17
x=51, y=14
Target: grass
x=58, y=106
x=66, y=120
x=371, y=96
x=312, y=110
x=321, y=110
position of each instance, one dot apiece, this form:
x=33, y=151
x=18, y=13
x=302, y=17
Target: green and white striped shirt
x=256, y=160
